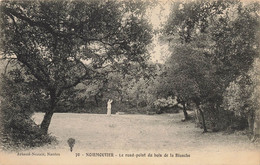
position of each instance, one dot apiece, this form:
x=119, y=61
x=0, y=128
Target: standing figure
x=109, y=107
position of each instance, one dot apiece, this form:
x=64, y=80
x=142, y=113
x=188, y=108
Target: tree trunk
x=46, y=121
x=137, y=98
x=96, y=100
x=48, y=114
x=203, y=119
x=255, y=125
x=256, y=133
x=250, y=120
x=186, y=116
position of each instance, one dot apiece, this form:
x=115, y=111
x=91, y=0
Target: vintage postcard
x=129, y=82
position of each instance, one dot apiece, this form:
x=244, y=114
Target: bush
x=219, y=120
x=17, y=106
x=239, y=98
x=166, y=105
x=21, y=132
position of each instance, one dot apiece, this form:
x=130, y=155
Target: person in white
x=109, y=102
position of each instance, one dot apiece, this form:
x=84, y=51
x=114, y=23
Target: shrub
x=166, y=105
x=21, y=132
x=224, y=120
x=17, y=106
x=239, y=99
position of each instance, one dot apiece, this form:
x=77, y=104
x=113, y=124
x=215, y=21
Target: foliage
x=166, y=105
x=237, y=95
x=18, y=130
x=63, y=43
x=23, y=133
x=169, y=102
x=241, y=97
x=133, y=90
x=211, y=47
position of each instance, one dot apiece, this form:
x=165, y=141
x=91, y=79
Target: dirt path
x=140, y=132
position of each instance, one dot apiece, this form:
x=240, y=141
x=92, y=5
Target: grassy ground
x=139, y=132
x=136, y=135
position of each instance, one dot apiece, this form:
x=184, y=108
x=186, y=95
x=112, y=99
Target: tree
x=188, y=76
x=131, y=88
x=241, y=97
x=221, y=29
x=20, y=97
x=62, y=43
x=216, y=30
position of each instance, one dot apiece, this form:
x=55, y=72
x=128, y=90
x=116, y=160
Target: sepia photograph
x=117, y=82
